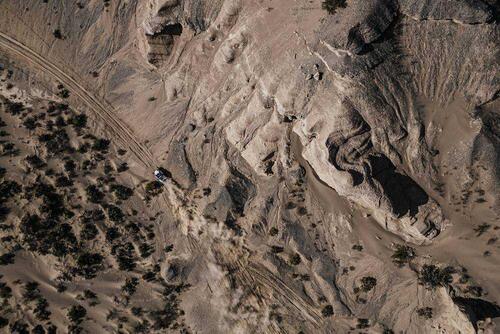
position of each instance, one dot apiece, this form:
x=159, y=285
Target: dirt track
x=102, y=110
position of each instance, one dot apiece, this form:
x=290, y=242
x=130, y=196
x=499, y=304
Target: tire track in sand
x=101, y=109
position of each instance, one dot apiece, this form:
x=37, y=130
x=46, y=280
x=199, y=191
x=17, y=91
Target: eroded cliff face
x=297, y=140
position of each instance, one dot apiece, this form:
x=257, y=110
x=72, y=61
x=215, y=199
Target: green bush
x=403, y=254
x=432, y=276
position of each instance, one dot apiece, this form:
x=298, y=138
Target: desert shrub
x=121, y=192
x=145, y=250
x=56, y=142
x=4, y=211
x=34, y=161
x=30, y=123
x=93, y=216
x=78, y=121
x=63, y=181
x=358, y=248
x=89, y=232
x=154, y=188
x=137, y=311
x=76, y=314
x=331, y=6
x=19, y=327
x=327, y=311
x=363, y=323
x=9, y=189
x=57, y=34
x=277, y=249
x=115, y=214
x=130, y=286
x=5, y=291
x=133, y=228
x=433, y=276
x=69, y=166
x=38, y=329
x=167, y=316
x=7, y=258
x=481, y=229
x=94, y=194
x=31, y=291
x=295, y=259
x=14, y=108
x=88, y=264
x=41, y=310
x=63, y=93
x=403, y=254
x=112, y=234
x=425, y=312
x=125, y=256
x=53, y=203
x=476, y=291
x=3, y=322
x=88, y=294
x=3, y=171
x=47, y=236
x=100, y=145
x=60, y=122
x=368, y=283
x=8, y=149
x=122, y=167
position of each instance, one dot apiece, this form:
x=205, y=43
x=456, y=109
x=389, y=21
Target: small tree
x=432, y=276
x=403, y=254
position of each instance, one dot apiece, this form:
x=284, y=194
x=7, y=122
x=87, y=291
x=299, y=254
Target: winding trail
x=102, y=110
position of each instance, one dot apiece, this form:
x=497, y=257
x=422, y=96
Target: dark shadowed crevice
x=162, y=43
x=172, y=29
x=240, y=189
x=477, y=309
x=404, y=194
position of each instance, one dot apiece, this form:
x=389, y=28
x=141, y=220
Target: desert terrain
x=330, y=166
